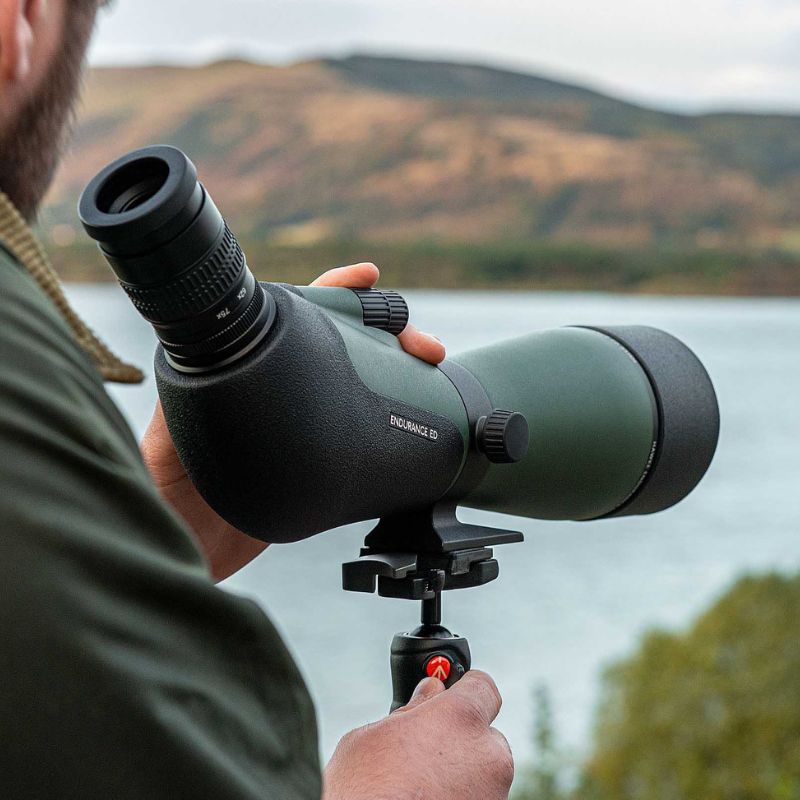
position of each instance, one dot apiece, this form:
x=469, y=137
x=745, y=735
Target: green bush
x=711, y=714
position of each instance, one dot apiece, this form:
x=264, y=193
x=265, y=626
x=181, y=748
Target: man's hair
x=32, y=145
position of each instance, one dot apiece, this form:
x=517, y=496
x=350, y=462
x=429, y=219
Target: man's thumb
x=426, y=689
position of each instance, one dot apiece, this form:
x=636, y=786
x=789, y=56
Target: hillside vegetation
x=389, y=158
x=712, y=713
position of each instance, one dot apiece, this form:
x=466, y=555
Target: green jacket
x=124, y=672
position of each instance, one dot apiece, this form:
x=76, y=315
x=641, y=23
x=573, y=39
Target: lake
x=575, y=596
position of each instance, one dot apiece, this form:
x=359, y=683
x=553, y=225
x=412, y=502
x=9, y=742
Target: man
x=125, y=672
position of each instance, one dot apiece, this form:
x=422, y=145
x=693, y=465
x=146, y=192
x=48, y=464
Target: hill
x=398, y=151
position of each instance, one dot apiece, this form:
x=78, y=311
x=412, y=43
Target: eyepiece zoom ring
x=226, y=336
x=195, y=290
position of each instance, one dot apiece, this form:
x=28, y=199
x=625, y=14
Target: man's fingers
x=504, y=762
x=426, y=689
x=364, y=276
x=422, y=345
x=356, y=276
x=475, y=695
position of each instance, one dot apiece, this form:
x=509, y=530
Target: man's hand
x=226, y=549
x=441, y=745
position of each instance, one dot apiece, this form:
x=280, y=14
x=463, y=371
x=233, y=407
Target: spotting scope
x=295, y=410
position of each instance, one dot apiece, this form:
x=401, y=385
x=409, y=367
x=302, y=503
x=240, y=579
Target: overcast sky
x=691, y=54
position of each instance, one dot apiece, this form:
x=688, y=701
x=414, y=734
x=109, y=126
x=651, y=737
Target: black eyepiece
x=176, y=258
x=132, y=185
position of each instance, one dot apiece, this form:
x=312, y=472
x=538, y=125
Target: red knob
x=438, y=667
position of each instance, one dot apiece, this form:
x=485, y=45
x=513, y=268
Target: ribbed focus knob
x=503, y=436
x=386, y=310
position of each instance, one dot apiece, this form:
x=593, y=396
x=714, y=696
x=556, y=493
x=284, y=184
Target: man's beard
x=31, y=148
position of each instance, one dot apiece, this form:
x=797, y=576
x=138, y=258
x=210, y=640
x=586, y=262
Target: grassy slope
x=396, y=153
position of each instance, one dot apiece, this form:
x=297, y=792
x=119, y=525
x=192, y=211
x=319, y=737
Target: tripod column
x=432, y=610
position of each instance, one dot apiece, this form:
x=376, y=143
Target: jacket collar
x=19, y=241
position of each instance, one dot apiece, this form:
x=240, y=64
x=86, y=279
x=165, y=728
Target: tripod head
x=417, y=556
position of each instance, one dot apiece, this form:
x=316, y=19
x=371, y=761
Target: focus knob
x=503, y=436
x=386, y=310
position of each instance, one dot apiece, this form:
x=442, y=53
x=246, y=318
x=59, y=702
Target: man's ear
x=18, y=21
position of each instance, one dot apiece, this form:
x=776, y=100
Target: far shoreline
x=508, y=266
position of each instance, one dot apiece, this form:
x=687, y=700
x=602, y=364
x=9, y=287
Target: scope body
x=293, y=413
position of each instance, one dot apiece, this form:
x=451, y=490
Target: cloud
x=683, y=53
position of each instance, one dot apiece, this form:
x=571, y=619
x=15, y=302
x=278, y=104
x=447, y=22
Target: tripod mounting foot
x=414, y=556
